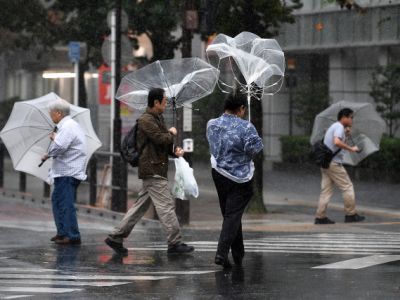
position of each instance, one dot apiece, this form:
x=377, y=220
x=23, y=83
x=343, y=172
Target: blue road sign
x=74, y=52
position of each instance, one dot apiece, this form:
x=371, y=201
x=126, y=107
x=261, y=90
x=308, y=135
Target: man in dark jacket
x=155, y=142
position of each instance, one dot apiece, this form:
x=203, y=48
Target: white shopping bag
x=185, y=183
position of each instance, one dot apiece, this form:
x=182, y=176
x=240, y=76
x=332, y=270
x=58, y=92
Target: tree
x=385, y=87
x=309, y=101
x=263, y=18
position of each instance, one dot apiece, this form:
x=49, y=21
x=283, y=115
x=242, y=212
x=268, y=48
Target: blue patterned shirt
x=233, y=142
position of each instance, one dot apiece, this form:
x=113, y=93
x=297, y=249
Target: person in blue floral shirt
x=233, y=143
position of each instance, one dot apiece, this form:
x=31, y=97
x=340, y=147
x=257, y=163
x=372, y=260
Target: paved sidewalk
x=290, y=198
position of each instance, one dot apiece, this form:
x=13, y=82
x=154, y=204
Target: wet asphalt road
x=278, y=265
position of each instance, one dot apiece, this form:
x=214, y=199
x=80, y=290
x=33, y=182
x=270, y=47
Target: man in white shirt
x=336, y=174
x=69, y=153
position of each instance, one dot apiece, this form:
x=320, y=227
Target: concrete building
x=337, y=46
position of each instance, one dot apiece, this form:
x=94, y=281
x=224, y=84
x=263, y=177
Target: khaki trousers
x=154, y=189
x=336, y=175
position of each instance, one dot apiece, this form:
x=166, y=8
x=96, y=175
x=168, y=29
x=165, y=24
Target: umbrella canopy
x=26, y=134
x=367, y=130
x=184, y=80
x=254, y=64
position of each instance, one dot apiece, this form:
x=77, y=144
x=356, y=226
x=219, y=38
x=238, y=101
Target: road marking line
x=357, y=252
x=360, y=263
x=81, y=277
x=17, y=270
x=180, y=272
x=37, y=290
x=63, y=282
x=14, y=296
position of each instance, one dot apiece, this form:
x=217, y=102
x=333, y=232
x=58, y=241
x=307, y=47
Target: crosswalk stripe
x=360, y=263
x=324, y=243
x=62, y=282
x=37, y=290
x=25, y=270
x=81, y=277
x=14, y=296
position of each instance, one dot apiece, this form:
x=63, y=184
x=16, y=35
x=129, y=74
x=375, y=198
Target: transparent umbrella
x=184, y=80
x=367, y=128
x=26, y=134
x=254, y=65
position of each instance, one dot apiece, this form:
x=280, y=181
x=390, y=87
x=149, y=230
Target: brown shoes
x=56, y=237
x=67, y=241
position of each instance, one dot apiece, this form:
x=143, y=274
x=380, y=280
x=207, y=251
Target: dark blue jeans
x=64, y=212
x=233, y=199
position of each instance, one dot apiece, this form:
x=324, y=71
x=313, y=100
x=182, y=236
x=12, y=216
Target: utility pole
x=189, y=23
x=119, y=168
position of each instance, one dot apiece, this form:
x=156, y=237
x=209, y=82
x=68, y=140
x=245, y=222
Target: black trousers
x=233, y=199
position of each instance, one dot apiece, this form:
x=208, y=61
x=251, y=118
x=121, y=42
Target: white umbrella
x=254, y=65
x=184, y=80
x=367, y=130
x=26, y=134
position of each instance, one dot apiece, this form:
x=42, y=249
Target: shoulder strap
x=334, y=153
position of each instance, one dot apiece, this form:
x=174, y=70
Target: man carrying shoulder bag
x=335, y=173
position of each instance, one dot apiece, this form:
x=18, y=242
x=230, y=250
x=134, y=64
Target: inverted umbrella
x=367, y=128
x=254, y=65
x=26, y=134
x=184, y=80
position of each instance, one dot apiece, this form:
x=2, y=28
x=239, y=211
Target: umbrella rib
x=192, y=74
x=138, y=82
x=23, y=126
x=30, y=146
x=40, y=112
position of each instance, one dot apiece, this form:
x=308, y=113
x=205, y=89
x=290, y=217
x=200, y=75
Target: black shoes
x=117, y=247
x=326, y=220
x=180, y=248
x=353, y=218
x=222, y=261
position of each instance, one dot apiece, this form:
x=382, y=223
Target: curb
x=81, y=210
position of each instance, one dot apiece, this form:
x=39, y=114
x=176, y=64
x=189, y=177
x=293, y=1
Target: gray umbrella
x=367, y=130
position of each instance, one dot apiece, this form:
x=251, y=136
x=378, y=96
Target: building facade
x=335, y=46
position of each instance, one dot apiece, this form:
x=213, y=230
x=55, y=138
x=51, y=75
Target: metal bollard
x=22, y=182
x=1, y=165
x=93, y=180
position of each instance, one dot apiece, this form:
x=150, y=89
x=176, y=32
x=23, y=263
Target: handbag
x=322, y=155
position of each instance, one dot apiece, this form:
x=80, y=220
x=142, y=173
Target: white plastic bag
x=185, y=183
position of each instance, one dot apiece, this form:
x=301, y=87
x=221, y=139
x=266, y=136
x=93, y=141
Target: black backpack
x=129, y=151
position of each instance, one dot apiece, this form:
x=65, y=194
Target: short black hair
x=234, y=101
x=155, y=94
x=345, y=112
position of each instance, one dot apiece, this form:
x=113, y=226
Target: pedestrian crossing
x=321, y=243
x=21, y=282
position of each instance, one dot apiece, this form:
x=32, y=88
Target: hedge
x=384, y=164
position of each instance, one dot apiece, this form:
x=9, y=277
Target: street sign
x=74, y=52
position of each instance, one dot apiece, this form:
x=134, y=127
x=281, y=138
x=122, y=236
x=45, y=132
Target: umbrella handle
x=41, y=164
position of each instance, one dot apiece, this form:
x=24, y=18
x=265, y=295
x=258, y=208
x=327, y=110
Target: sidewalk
x=290, y=199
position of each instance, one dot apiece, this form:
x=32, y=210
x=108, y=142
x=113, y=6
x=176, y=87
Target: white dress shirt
x=68, y=150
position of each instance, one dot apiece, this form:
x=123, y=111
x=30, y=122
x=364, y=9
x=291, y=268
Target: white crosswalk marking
x=27, y=282
x=322, y=243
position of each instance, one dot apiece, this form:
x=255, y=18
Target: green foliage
x=207, y=108
x=381, y=165
x=257, y=16
x=295, y=149
x=309, y=101
x=158, y=19
x=6, y=108
x=385, y=87
x=27, y=24
x=386, y=162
